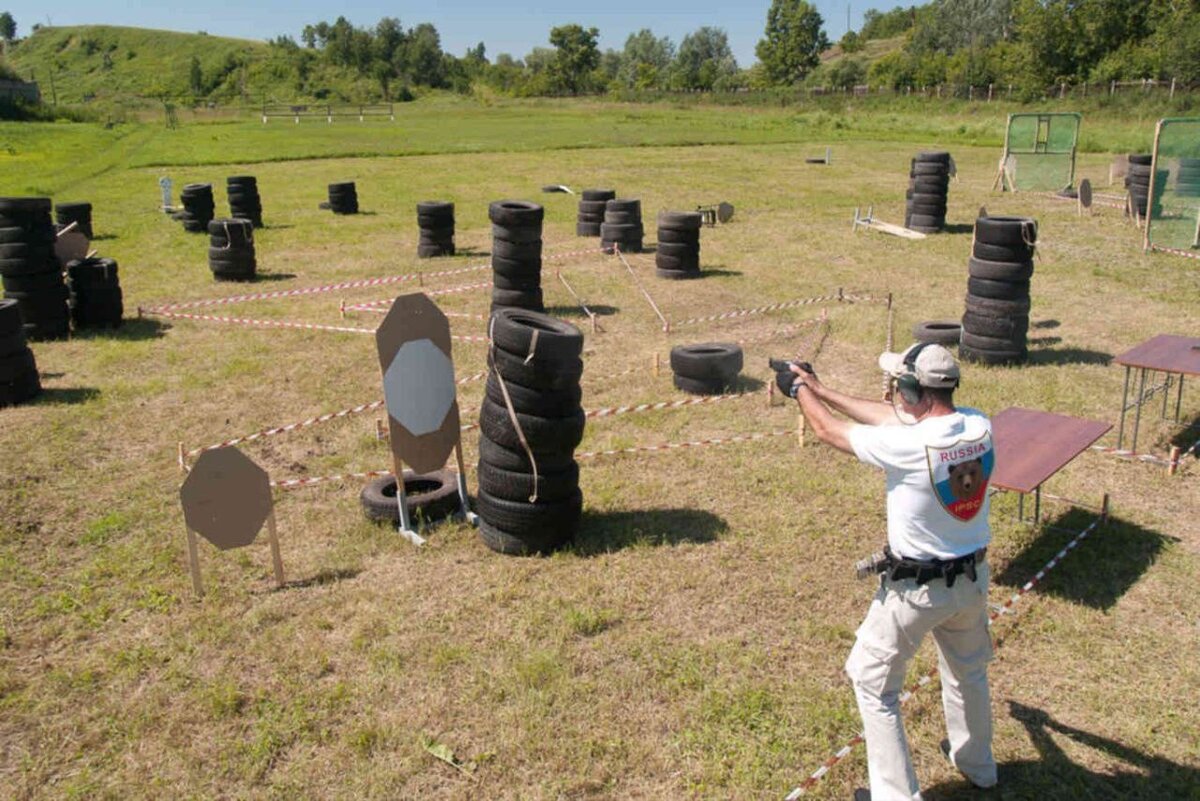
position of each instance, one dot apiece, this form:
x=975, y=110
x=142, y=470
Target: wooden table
x=1174, y=357
x=1031, y=446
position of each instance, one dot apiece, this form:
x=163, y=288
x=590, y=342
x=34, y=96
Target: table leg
x=1124, y=406
x=1166, y=394
x=1137, y=416
x=1021, y=506
x=1179, y=398
x=1037, y=504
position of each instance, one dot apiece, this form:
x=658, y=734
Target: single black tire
x=680, y=220
x=707, y=360
x=933, y=157
x=504, y=543
x=592, y=207
x=1000, y=270
x=598, y=194
x=930, y=184
x=512, y=485
x=521, y=235
x=928, y=168
x=517, y=251
x=689, y=264
x=34, y=283
x=538, y=402
x=535, y=374
x=16, y=365
x=532, y=522
x=429, y=497
x=20, y=391
x=517, y=460
x=516, y=269
x=678, y=236
x=516, y=213
x=43, y=235
x=622, y=232
x=1008, y=231
x=941, y=332
x=543, y=434
x=928, y=210
x=1021, y=252
x=24, y=205
x=677, y=275
x=342, y=187
x=622, y=218
x=1003, y=357
x=23, y=251
x=998, y=306
x=981, y=342
x=626, y=205
x=1000, y=290
x=680, y=250
x=550, y=340
x=436, y=234
x=986, y=325
x=10, y=318
x=522, y=284
x=919, y=221
x=696, y=386
x=589, y=218
x=434, y=251
x=1141, y=159
x=442, y=209
x=529, y=299
x=587, y=229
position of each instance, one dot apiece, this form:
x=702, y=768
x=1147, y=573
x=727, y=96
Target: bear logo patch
x=960, y=474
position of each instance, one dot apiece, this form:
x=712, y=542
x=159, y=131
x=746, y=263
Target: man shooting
x=933, y=574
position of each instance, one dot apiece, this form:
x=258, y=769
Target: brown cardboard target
x=419, y=388
x=724, y=212
x=226, y=498
x=1085, y=193
x=71, y=246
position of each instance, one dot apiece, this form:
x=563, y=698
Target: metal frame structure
x=1147, y=245
x=1004, y=181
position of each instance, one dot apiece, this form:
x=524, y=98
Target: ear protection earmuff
x=907, y=384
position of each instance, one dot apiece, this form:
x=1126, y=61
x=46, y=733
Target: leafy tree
x=851, y=42
x=704, y=58
x=646, y=60
x=195, y=77
x=947, y=26
x=8, y=27
x=792, y=44
x=895, y=70
x=847, y=73
x=423, y=56
x=576, y=55
x=886, y=24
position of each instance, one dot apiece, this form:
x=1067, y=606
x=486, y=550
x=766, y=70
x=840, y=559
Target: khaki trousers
x=900, y=616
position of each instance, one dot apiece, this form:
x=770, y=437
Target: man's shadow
x=1054, y=776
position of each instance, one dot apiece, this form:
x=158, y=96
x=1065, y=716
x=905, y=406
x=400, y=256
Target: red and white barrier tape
x=1138, y=457
x=1175, y=251
x=673, y=446
x=790, y=304
x=666, y=324
x=614, y=411
x=315, y=290
x=845, y=750
x=297, y=483
x=385, y=303
x=573, y=253
x=287, y=324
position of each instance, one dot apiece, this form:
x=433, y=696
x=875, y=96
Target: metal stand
x=1141, y=399
x=405, y=527
x=871, y=223
x=468, y=515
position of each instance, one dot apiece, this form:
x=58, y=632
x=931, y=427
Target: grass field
x=690, y=643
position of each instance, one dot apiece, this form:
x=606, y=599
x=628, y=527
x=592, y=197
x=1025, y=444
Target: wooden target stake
x=800, y=429
x=194, y=562
x=276, y=557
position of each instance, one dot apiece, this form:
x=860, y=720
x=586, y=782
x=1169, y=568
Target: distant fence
x=20, y=90
x=992, y=92
x=328, y=112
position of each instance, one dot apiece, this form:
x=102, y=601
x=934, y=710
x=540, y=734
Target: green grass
x=690, y=643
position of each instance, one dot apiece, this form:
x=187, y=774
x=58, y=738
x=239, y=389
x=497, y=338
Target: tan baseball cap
x=934, y=366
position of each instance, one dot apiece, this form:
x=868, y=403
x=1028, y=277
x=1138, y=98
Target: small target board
x=71, y=245
x=226, y=498
x=1085, y=195
x=420, y=394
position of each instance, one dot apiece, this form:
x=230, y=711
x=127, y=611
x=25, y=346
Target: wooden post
x=194, y=562
x=276, y=559
x=1172, y=95
x=657, y=370
x=1104, y=508
x=1173, y=465
x=990, y=92
x=1150, y=189
x=800, y=429
x=1112, y=88
x=182, y=460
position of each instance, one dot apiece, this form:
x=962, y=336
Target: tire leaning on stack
x=677, y=254
x=198, y=207
x=709, y=368
x=516, y=254
x=29, y=269
x=535, y=363
x=19, y=380
x=996, y=321
x=78, y=213
x=590, y=217
x=622, y=227
x=244, y=200
x=435, y=220
x=928, y=189
x=231, y=254
x=343, y=198
x=96, y=300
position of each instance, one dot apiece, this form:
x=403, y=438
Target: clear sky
x=511, y=27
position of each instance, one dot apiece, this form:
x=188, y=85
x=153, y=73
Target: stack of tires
x=535, y=364
x=78, y=213
x=997, y=317
x=96, y=300
x=592, y=204
x=677, y=254
x=231, y=250
x=31, y=273
x=244, y=200
x=928, y=188
x=343, y=198
x=709, y=368
x=435, y=219
x=622, y=226
x=516, y=254
x=1187, y=180
x=198, y=207
x=18, y=371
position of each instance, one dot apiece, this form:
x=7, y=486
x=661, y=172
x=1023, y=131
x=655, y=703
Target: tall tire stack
x=1137, y=180
x=31, y=273
x=1187, y=180
x=592, y=203
x=244, y=200
x=535, y=362
x=996, y=321
x=435, y=219
x=19, y=380
x=231, y=254
x=709, y=368
x=343, y=198
x=677, y=254
x=198, y=207
x=622, y=226
x=516, y=254
x=78, y=213
x=928, y=188
x=96, y=300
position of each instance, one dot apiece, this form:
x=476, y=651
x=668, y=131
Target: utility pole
x=847, y=18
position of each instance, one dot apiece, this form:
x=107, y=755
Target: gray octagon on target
x=419, y=387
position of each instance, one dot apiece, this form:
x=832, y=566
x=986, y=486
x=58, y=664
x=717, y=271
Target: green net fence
x=1173, y=211
x=1039, y=152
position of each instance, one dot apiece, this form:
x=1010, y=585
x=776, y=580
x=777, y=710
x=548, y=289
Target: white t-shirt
x=937, y=479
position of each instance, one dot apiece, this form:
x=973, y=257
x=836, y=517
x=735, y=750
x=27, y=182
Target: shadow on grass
x=472, y=253
x=103, y=237
x=134, y=329
x=746, y=383
x=265, y=277
x=1104, y=567
x=320, y=578
x=66, y=396
x=1045, y=324
x=575, y=311
x=1054, y=776
x=604, y=532
x=1187, y=437
x=958, y=228
x=1060, y=356
x=719, y=272
x=1044, y=342
x=278, y=227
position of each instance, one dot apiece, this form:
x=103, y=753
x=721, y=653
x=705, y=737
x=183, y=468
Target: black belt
x=926, y=570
